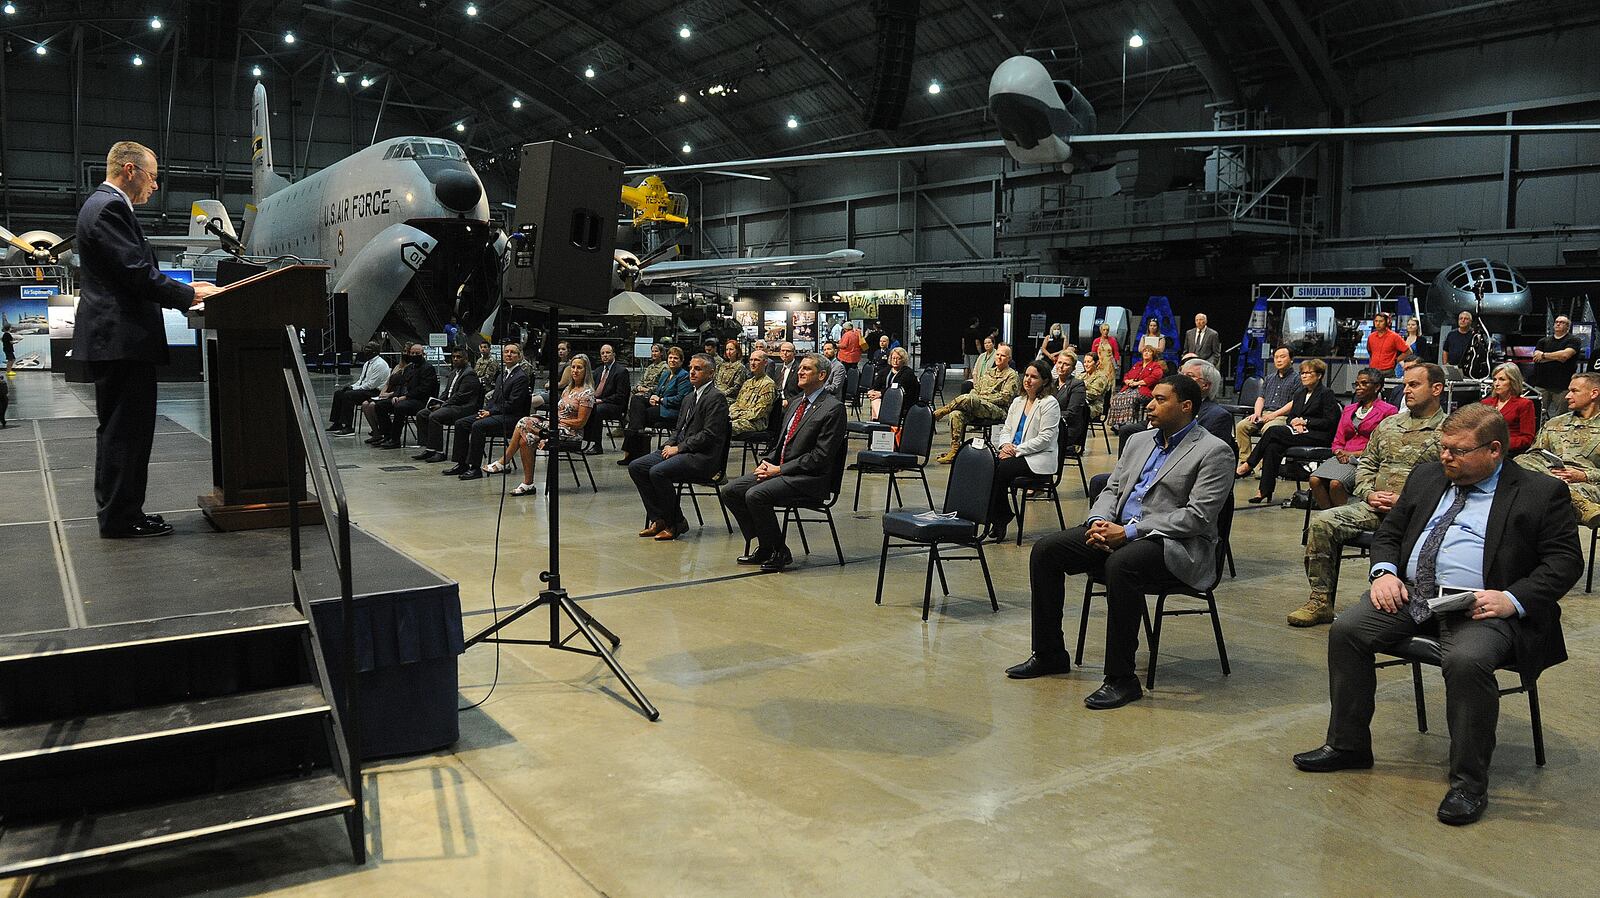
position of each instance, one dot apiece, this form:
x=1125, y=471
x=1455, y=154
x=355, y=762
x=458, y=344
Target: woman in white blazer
x=1028, y=442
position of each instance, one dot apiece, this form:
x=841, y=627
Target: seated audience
x=658, y=409
x=394, y=386
x=1153, y=527
x=1211, y=416
x=1333, y=480
x=374, y=375
x=611, y=386
x=692, y=453
x=1517, y=557
x=834, y=382
x=505, y=405
x=799, y=465
x=881, y=354
x=653, y=372
x=1313, y=416
x=1574, y=438
x=1097, y=382
x=462, y=394
x=1129, y=402
x=988, y=400
x=753, y=406
x=1506, y=396
x=1278, y=387
x=488, y=365
x=896, y=372
x=421, y=387
x=783, y=372
x=1030, y=443
x=532, y=432
x=732, y=372
x=1070, y=396
x=1396, y=446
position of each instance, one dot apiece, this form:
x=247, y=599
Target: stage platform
x=61, y=574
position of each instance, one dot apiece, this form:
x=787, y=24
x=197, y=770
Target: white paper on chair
x=882, y=441
x=1453, y=598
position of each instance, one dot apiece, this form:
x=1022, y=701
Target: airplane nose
x=457, y=190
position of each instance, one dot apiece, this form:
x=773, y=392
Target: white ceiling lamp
x=687, y=149
x=39, y=49
x=684, y=32
x=366, y=82
x=588, y=72
x=793, y=122
x=11, y=9
x=288, y=37
x=339, y=78
x=683, y=98
x=138, y=60
x=1136, y=40
x=460, y=127
x=516, y=102
x=933, y=87
x=255, y=71
x=472, y=10
x=155, y=23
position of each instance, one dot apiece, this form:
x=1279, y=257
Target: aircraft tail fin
x=264, y=181
x=203, y=212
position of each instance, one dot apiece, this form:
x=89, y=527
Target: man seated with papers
x=1470, y=523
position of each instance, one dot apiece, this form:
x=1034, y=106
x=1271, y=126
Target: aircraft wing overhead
x=688, y=267
x=971, y=147
x=1105, y=142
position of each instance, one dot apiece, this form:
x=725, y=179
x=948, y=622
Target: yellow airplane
x=652, y=202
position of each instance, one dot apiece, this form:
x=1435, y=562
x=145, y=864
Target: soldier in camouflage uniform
x=990, y=398
x=731, y=371
x=1397, y=446
x=653, y=371
x=1575, y=438
x=750, y=409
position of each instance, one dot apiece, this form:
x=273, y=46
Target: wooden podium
x=245, y=351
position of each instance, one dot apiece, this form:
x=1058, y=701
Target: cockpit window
x=425, y=149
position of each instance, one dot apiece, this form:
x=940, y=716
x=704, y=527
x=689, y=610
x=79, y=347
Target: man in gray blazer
x=694, y=452
x=1202, y=342
x=1153, y=527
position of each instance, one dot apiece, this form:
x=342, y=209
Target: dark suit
x=1207, y=346
x=1320, y=408
x=462, y=395
x=1070, y=396
x=506, y=406
x=422, y=384
x=787, y=378
x=612, y=389
x=1530, y=549
x=805, y=469
x=121, y=337
x=702, y=441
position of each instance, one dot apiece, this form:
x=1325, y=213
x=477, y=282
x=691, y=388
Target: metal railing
x=1106, y=213
x=308, y=441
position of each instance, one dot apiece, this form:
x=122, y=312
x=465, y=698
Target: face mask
x=418, y=359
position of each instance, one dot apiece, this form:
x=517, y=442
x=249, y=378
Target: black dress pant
x=432, y=422
x=345, y=402
x=1269, y=450
x=125, y=402
x=751, y=503
x=637, y=441
x=1472, y=649
x=657, y=480
x=1133, y=571
x=1005, y=471
x=392, y=416
x=472, y=432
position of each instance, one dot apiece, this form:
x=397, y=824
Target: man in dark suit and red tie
x=799, y=465
x=1470, y=523
x=121, y=338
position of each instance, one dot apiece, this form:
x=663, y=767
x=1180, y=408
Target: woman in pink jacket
x=1335, y=478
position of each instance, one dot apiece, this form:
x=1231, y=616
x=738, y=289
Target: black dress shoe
x=374, y=440
x=1113, y=694
x=1461, y=807
x=138, y=531
x=759, y=556
x=1328, y=759
x=1040, y=666
x=389, y=444
x=345, y=432
x=424, y=455
x=470, y=474
x=455, y=470
x=1258, y=499
x=154, y=519
x=779, y=560
x=332, y=427
x=998, y=534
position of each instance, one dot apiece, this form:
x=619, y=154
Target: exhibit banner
x=24, y=310
x=1332, y=291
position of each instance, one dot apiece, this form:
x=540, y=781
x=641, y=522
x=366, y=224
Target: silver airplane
x=631, y=270
x=382, y=216
x=1047, y=121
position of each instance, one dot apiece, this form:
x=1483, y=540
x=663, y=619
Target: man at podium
x=121, y=338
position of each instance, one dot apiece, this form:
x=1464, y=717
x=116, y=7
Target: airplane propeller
x=43, y=249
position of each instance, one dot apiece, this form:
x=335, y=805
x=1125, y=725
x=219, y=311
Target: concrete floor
x=811, y=743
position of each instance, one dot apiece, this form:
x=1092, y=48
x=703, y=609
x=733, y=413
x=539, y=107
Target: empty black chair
x=1247, y=398
x=890, y=405
x=963, y=522
x=852, y=386
x=863, y=384
x=1420, y=650
x=925, y=385
x=823, y=506
x=1152, y=624
x=916, y=444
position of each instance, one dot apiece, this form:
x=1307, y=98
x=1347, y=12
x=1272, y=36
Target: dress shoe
x=455, y=470
x=332, y=427
x=998, y=534
x=1328, y=759
x=1461, y=807
x=142, y=529
x=470, y=474
x=154, y=519
x=345, y=432
x=424, y=455
x=759, y=556
x=654, y=528
x=389, y=444
x=1258, y=499
x=1114, y=694
x=780, y=559
x=626, y=460
x=1040, y=666
x=673, y=531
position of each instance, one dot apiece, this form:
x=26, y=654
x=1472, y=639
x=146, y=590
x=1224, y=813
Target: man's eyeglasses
x=147, y=172
x=1457, y=453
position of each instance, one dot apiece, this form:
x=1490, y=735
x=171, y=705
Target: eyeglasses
x=1457, y=453
x=147, y=172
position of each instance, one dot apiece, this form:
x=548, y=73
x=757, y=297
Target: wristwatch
x=1372, y=576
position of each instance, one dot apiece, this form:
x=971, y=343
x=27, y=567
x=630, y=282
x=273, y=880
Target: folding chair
x=916, y=445
x=971, y=477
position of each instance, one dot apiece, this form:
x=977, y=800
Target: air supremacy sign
x=1332, y=291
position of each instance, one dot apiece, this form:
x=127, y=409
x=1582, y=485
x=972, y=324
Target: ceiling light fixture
x=288, y=37
x=255, y=70
x=40, y=50
x=793, y=122
x=155, y=23
x=11, y=9
x=516, y=102
x=339, y=78
x=687, y=149
x=933, y=87
x=684, y=32
x=138, y=60
x=366, y=82
x=588, y=72
x=472, y=9
x=461, y=126
x=1136, y=40
x=683, y=98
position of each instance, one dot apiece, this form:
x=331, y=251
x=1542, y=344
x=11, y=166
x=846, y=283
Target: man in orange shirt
x=1384, y=346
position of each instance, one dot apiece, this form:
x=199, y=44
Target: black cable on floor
x=494, y=570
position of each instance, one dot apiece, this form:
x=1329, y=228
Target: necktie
x=1428, y=558
x=604, y=373
x=794, y=425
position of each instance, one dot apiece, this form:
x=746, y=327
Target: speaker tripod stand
x=553, y=596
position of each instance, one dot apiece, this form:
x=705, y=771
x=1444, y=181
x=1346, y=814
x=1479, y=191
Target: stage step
x=98, y=731
x=31, y=849
x=175, y=629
